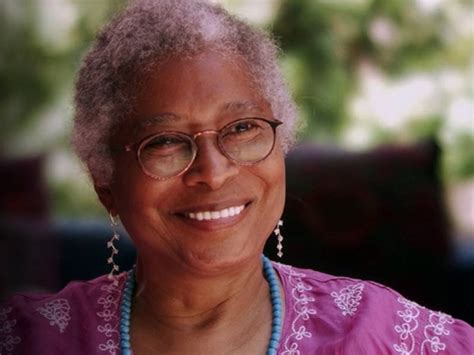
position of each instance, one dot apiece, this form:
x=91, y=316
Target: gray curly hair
x=146, y=33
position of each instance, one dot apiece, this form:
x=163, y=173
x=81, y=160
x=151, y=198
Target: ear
x=104, y=193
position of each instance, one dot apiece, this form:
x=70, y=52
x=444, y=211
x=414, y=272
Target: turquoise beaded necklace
x=270, y=276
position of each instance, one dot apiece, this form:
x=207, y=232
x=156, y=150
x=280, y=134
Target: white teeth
x=208, y=215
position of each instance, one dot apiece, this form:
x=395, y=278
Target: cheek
x=142, y=206
x=128, y=190
x=135, y=194
x=274, y=177
x=280, y=189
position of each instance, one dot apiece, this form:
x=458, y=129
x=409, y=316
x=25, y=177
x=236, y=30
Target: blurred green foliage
x=323, y=41
x=461, y=160
x=33, y=71
x=26, y=80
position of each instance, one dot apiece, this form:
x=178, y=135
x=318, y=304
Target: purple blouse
x=324, y=315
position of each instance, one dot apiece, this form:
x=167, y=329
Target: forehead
x=199, y=91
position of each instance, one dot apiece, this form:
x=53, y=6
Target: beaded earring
x=279, y=238
x=114, y=250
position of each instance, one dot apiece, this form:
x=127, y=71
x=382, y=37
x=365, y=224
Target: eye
x=166, y=144
x=164, y=141
x=244, y=128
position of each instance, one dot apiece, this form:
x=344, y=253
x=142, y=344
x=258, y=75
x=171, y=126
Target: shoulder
x=53, y=322
x=359, y=317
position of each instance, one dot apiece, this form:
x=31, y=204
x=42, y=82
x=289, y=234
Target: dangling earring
x=279, y=238
x=110, y=245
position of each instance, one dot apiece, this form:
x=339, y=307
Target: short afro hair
x=148, y=32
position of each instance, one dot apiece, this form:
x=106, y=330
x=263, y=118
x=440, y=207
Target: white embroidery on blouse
x=301, y=308
x=57, y=312
x=110, y=346
x=7, y=340
x=434, y=330
x=109, y=303
x=348, y=298
x=410, y=323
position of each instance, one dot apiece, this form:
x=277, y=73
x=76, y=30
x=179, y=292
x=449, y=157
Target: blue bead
x=125, y=308
x=275, y=295
x=276, y=333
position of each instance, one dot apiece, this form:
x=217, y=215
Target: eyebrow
x=155, y=120
x=159, y=118
x=241, y=106
x=167, y=117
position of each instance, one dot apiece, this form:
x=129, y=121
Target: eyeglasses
x=168, y=154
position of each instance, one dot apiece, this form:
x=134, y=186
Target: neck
x=176, y=306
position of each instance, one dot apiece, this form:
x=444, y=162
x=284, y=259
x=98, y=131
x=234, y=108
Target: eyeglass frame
x=192, y=137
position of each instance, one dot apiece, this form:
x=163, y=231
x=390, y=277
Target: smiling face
x=216, y=214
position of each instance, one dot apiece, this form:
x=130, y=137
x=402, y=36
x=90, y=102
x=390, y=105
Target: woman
x=183, y=121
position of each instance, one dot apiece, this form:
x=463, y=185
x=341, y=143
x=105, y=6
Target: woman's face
x=203, y=93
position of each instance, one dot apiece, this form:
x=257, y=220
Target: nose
x=210, y=167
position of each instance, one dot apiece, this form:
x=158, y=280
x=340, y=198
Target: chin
x=217, y=261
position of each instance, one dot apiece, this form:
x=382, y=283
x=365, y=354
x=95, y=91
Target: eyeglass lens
x=168, y=154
